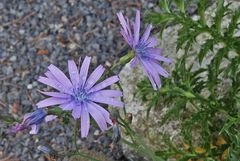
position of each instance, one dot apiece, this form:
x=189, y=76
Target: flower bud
x=116, y=136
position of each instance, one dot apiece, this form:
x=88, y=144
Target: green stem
x=137, y=142
x=122, y=99
x=115, y=66
x=123, y=60
x=75, y=133
x=202, y=18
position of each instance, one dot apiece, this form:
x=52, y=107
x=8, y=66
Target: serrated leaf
x=233, y=24
x=217, y=59
x=208, y=45
x=199, y=86
x=163, y=26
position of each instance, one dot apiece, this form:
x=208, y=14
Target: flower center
x=140, y=49
x=80, y=95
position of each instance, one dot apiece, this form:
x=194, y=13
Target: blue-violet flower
x=33, y=120
x=81, y=93
x=144, y=48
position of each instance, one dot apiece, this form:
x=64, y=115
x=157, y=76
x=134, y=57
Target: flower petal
x=35, y=129
x=107, y=82
x=68, y=106
x=56, y=94
x=146, y=34
x=104, y=112
x=122, y=21
x=85, y=122
x=84, y=70
x=150, y=78
x=49, y=82
x=152, y=41
x=159, y=58
x=126, y=37
x=160, y=70
x=137, y=28
x=73, y=73
x=76, y=112
x=134, y=62
x=151, y=70
x=106, y=100
x=94, y=77
x=58, y=85
x=155, y=53
x=108, y=93
x=60, y=76
x=51, y=101
x=98, y=117
x=125, y=30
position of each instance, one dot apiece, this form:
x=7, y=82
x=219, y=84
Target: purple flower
x=33, y=120
x=144, y=48
x=81, y=93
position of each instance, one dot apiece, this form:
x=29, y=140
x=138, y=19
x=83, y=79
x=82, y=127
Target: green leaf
x=8, y=119
x=218, y=58
x=202, y=6
x=159, y=18
x=208, y=45
x=220, y=11
x=164, y=4
x=233, y=24
x=174, y=111
x=181, y=5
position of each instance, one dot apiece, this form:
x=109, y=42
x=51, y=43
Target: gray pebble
x=13, y=58
x=67, y=29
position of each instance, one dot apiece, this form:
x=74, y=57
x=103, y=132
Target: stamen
x=80, y=95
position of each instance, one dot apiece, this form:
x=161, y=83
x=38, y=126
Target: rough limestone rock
x=149, y=129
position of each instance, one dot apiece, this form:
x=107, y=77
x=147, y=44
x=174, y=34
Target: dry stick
x=3, y=104
x=20, y=20
x=6, y=77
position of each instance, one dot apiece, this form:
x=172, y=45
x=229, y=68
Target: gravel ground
x=35, y=33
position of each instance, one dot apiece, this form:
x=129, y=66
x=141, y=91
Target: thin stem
x=115, y=66
x=122, y=99
x=75, y=133
x=196, y=108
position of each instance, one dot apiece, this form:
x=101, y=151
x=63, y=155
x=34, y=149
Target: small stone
x=96, y=133
x=30, y=86
x=79, y=142
x=21, y=31
x=34, y=84
x=13, y=58
x=64, y=19
x=72, y=46
x=107, y=63
x=150, y=5
x=94, y=59
x=95, y=46
x=8, y=70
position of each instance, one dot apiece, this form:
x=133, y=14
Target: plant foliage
x=206, y=98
